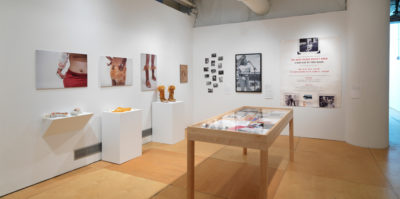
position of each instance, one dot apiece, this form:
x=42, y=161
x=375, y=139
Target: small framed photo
x=214, y=55
x=206, y=75
x=213, y=70
x=210, y=90
x=219, y=65
x=327, y=101
x=220, y=58
x=308, y=45
x=208, y=83
x=214, y=78
x=221, y=79
x=206, y=69
x=220, y=72
x=215, y=85
x=212, y=63
x=206, y=60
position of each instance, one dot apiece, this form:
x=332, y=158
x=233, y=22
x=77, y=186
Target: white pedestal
x=121, y=136
x=168, y=122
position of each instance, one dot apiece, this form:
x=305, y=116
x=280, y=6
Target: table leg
x=190, y=169
x=263, y=174
x=244, y=151
x=291, y=140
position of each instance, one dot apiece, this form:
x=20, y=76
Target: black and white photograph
x=210, y=90
x=308, y=45
x=215, y=85
x=248, y=72
x=213, y=70
x=214, y=55
x=205, y=69
x=220, y=65
x=220, y=72
x=291, y=100
x=206, y=60
x=208, y=83
x=212, y=63
x=220, y=58
x=206, y=75
x=221, y=79
x=214, y=78
x=327, y=101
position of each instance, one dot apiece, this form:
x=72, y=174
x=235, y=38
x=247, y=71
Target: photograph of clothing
x=115, y=71
x=248, y=72
x=60, y=70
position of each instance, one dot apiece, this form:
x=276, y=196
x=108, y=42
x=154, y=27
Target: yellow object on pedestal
x=121, y=109
x=171, y=91
x=161, y=89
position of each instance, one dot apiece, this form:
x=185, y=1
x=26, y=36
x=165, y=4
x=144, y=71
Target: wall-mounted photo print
x=210, y=90
x=220, y=72
x=219, y=65
x=221, y=79
x=205, y=69
x=248, y=72
x=115, y=71
x=213, y=70
x=148, y=67
x=212, y=63
x=215, y=85
x=327, y=101
x=184, y=73
x=220, y=58
x=214, y=55
x=206, y=60
x=206, y=75
x=308, y=45
x=214, y=78
x=291, y=100
x=60, y=70
x=208, y=83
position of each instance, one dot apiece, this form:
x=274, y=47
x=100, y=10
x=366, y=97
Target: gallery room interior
x=205, y=99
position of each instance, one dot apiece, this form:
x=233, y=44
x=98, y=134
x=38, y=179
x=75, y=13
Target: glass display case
x=247, y=127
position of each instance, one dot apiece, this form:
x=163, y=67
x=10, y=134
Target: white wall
x=264, y=37
x=367, y=123
x=122, y=28
x=394, y=98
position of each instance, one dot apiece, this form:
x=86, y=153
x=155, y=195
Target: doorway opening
x=394, y=84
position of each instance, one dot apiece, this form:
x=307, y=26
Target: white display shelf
x=66, y=124
x=121, y=135
x=168, y=122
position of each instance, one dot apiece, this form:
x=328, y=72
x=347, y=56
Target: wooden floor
x=322, y=169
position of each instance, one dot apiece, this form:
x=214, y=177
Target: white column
x=367, y=93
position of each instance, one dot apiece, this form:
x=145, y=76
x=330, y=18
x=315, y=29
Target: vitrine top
x=251, y=120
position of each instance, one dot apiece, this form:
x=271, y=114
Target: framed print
x=248, y=72
x=149, y=72
x=184, y=73
x=115, y=71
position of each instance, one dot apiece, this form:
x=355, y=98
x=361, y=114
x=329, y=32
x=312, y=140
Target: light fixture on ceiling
x=260, y=7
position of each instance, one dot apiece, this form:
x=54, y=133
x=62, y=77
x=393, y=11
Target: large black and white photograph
x=308, y=45
x=248, y=72
x=327, y=101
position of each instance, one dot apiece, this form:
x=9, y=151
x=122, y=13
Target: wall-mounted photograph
x=115, y=71
x=220, y=58
x=327, y=101
x=60, y=70
x=308, y=45
x=183, y=73
x=206, y=60
x=291, y=100
x=214, y=55
x=205, y=69
x=248, y=72
x=149, y=72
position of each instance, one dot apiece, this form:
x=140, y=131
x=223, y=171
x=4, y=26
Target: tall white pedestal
x=121, y=136
x=168, y=122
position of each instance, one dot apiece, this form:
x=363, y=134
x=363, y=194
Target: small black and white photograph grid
x=248, y=72
x=213, y=71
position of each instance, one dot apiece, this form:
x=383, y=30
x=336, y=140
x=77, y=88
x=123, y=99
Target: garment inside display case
x=247, y=120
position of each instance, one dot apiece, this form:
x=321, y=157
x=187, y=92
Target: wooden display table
x=247, y=127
